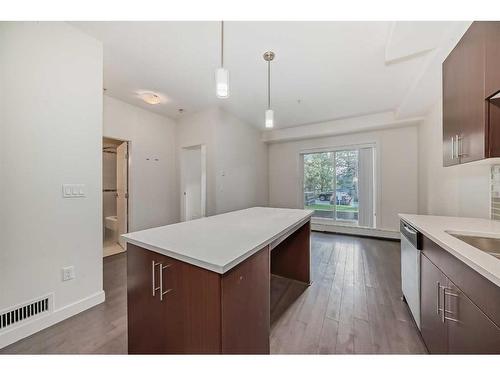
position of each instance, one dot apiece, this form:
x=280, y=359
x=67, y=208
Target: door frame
x=203, y=165
x=344, y=147
x=129, y=195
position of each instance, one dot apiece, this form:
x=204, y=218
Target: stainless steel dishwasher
x=411, y=245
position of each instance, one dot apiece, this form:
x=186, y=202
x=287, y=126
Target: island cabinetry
x=173, y=307
x=178, y=308
x=246, y=306
x=204, y=286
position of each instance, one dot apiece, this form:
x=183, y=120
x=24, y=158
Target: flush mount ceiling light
x=269, y=56
x=222, y=74
x=150, y=98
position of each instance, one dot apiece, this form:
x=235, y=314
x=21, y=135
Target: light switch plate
x=73, y=190
x=68, y=273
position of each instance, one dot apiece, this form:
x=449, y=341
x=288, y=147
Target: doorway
x=114, y=194
x=193, y=182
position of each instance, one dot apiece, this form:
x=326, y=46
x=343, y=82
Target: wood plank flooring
x=352, y=306
x=101, y=329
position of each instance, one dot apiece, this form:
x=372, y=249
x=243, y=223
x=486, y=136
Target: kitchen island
x=203, y=286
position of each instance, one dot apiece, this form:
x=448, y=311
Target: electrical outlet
x=68, y=273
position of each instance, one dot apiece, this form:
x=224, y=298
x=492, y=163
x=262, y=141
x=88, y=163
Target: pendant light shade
x=269, y=118
x=222, y=83
x=222, y=74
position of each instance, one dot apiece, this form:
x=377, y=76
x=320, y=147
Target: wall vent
x=25, y=312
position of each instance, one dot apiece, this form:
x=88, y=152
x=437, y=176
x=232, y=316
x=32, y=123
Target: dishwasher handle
x=409, y=230
x=412, y=234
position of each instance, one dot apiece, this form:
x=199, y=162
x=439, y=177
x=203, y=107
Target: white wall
x=462, y=190
x=396, y=163
x=241, y=165
x=153, y=185
x=51, y=129
x=236, y=159
x=195, y=129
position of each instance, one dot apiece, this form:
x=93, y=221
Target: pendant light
x=222, y=74
x=269, y=56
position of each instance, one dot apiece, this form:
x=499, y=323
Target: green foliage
x=319, y=172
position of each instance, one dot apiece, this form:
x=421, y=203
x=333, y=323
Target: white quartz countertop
x=220, y=242
x=436, y=227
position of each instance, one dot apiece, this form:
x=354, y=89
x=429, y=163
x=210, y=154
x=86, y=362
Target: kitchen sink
x=489, y=245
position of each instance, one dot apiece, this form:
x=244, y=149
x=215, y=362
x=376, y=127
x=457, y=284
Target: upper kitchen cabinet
x=471, y=79
x=492, y=49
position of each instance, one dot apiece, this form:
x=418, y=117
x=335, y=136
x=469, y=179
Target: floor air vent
x=24, y=312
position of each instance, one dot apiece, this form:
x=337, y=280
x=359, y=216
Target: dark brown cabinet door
x=144, y=311
x=185, y=319
x=472, y=125
x=464, y=107
x=451, y=109
x=470, y=77
x=433, y=328
x=492, y=87
x=169, y=273
x=191, y=308
x=492, y=71
x=469, y=330
x=246, y=298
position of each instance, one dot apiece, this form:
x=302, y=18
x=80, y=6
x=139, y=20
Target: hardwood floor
x=352, y=306
x=101, y=329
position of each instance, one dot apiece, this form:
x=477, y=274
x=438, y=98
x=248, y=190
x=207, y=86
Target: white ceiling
x=322, y=70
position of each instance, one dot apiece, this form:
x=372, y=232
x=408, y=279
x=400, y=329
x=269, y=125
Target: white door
x=193, y=183
x=122, y=190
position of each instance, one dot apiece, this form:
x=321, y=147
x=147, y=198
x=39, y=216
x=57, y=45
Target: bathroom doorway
x=114, y=194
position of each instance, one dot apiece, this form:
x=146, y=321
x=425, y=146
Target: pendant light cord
x=268, y=84
x=222, y=44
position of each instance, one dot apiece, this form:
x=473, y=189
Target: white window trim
x=376, y=180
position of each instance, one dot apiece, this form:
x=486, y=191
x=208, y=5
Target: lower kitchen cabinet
x=432, y=324
x=469, y=329
x=450, y=321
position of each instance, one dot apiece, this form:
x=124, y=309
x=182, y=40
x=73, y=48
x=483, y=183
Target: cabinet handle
x=452, y=148
x=443, y=317
x=154, y=287
x=446, y=292
x=162, y=293
x=460, y=139
x=438, y=309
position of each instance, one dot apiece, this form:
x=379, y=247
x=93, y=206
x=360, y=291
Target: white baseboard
x=19, y=332
x=358, y=231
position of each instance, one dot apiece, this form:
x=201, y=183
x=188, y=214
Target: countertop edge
x=183, y=258
x=217, y=268
x=475, y=266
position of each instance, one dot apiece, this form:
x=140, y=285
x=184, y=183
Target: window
x=338, y=185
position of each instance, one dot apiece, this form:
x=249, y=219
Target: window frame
x=345, y=147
